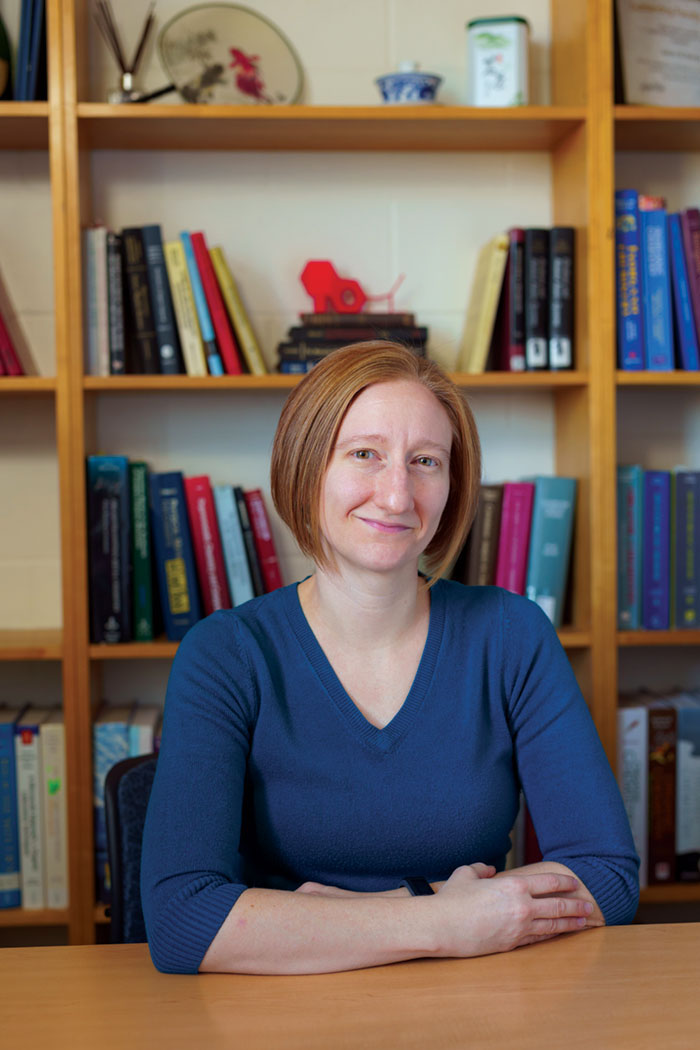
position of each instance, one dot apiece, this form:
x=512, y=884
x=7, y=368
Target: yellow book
x=249, y=345
x=185, y=309
x=483, y=304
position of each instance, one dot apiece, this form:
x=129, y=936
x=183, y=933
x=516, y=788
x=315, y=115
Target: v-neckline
x=387, y=737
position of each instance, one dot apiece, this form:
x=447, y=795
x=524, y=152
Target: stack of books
x=321, y=333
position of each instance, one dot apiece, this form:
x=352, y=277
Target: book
x=662, y=792
x=687, y=340
x=6, y=78
x=630, y=501
x=185, y=309
x=687, y=787
x=110, y=744
x=109, y=548
x=656, y=550
x=240, y=583
x=264, y=542
x=141, y=325
x=169, y=355
x=561, y=297
x=513, y=357
x=225, y=339
x=10, y=888
x=483, y=303
x=142, y=729
x=536, y=291
x=208, y=552
x=477, y=564
x=250, y=546
x=247, y=340
x=34, y=56
x=658, y=50
x=690, y=225
x=28, y=763
x=362, y=318
x=22, y=61
x=656, y=289
x=514, y=536
x=206, y=328
x=96, y=304
x=633, y=773
x=173, y=554
x=54, y=804
x=9, y=360
x=550, y=544
x=115, y=305
x=685, y=548
x=628, y=279
x=141, y=560
x=334, y=335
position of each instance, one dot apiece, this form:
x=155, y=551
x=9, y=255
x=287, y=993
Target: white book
x=96, y=333
x=142, y=729
x=238, y=576
x=53, y=758
x=633, y=774
x=30, y=808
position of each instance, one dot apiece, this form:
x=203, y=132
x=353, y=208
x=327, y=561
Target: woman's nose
x=395, y=489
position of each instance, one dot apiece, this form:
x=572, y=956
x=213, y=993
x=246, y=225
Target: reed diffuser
x=104, y=17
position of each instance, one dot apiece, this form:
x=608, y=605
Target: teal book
x=110, y=744
x=630, y=500
x=141, y=561
x=10, y=889
x=550, y=544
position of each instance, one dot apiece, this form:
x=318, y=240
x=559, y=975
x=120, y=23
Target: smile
x=383, y=526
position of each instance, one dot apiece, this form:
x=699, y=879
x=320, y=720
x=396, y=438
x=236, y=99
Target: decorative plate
x=228, y=54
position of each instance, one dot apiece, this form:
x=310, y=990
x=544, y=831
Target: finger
x=484, y=871
x=551, y=882
x=553, y=927
x=560, y=908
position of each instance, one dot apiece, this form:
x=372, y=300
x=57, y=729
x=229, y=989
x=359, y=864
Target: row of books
x=320, y=333
x=658, y=548
x=520, y=314
x=521, y=539
x=659, y=773
x=154, y=307
x=162, y=547
x=33, y=820
x=29, y=82
x=657, y=266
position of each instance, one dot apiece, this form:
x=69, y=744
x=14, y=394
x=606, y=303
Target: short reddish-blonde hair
x=308, y=428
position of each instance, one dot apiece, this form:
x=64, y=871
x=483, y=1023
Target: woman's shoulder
x=492, y=604
x=262, y=618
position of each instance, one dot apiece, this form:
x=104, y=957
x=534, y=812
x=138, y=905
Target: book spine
x=514, y=538
x=237, y=571
x=109, y=526
x=225, y=338
x=161, y=302
x=23, y=52
x=633, y=776
x=264, y=543
x=10, y=892
x=249, y=540
x=174, y=557
x=115, y=304
x=96, y=305
x=110, y=744
x=29, y=798
x=536, y=269
x=211, y=350
x=662, y=794
x=34, y=56
x=561, y=297
x=296, y=366
x=656, y=550
x=630, y=499
x=550, y=544
x=139, y=302
x=630, y=342
x=185, y=309
x=53, y=754
x=685, y=549
x=688, y=794
x=247, y=340
x=208, y=553
x=481, y=564
x=683, y=308
x=656, y=288
x=690, y=224
x=488, y=296
x=141, y=562
x=514, y=358
x=8, y=354
x=387, y=320
x=310, y=334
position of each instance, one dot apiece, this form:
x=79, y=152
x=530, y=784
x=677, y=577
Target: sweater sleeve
x=191, y=873
x=571, y=792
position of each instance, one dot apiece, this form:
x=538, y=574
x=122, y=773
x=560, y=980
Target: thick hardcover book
x=685, y=548
x=662, y=792
x=110, y=744
x=297, y=366
x=690, y=224
x=483, y=304
x=29, y=806
x=513, y=356
x=247, y=340
x=173, y=553
x=630, y=502
x=628, y=273
x=687, y=339
x=10, y=891
x=514, y=537
x=316, y=349
x=109, y=548
x=53, y=784
x=185, y=309
x=240, y=583
x=656, y=560
x=264, y=542
x=96, y=301
x=169, y=354
x=561, y=297
x=633, y=773
x=142, y=729
x=225, y=339
x=141, y=561
x=536, y=284
x=550, y=544
x=115, y=305
x=139, y=309
x=656, y=291
x=249, y=540
x=365, y=317
x=34, y=56
x=208, y=552
x=8, y=355
x=312, y=334
x=477, y=566
x=214, y=363
x=687, y=788
x=21, y=68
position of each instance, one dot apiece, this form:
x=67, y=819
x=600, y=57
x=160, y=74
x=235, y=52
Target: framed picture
x=660, y=52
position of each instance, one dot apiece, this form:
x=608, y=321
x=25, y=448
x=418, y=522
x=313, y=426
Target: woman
x=329, y=740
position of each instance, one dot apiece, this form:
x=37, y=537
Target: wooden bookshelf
x=24, y=125
x=18, y=917
x=31, y=644
x=657, y=128
x=27, y=385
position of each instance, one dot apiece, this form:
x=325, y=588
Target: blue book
x=656, y=550
x=630, y=343
x=110, y=744
x=37, y=28
x=685, y=548
x=10, y=891
x=169, y=352
x=687, y=780
x=656, y=289
x=214, y=362
x=683, y=307
x=550, y=544
x=174, y=555
x=21, y=69
x=630, y=498
x=109, y=548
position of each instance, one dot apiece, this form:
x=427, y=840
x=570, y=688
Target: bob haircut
x=307, y=432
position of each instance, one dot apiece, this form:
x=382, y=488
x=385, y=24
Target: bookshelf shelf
x=326, y=128
x=653, y=128
x=27, y=385
x=24, y=125
x=672, y=892
x=31, y=645
x=635, y=639
x=677, y=378
x=29, y=917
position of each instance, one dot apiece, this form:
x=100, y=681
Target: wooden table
x=608, y=989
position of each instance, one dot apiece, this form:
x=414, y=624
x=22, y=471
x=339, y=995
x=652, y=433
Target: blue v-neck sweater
x=269, y=775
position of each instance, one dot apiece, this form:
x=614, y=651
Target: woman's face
x=387, y=482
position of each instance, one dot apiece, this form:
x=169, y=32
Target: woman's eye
x=427, y=461
x=362, y=453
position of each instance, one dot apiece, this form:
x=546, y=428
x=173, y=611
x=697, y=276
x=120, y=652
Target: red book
x=208, y=552
x=8, y=356
x=513, y=345
x=690, y=226
x=514, y=538
x=264, y=544
x=662, y=793
x=228, y=348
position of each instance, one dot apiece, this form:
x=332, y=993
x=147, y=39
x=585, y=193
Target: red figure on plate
x=248, y=79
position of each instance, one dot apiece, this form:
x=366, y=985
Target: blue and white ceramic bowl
x=408, y=88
